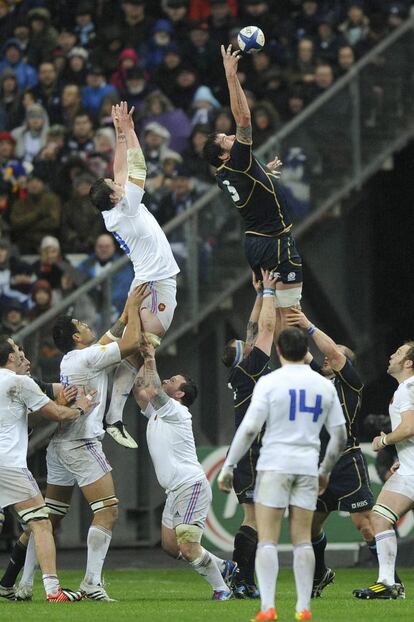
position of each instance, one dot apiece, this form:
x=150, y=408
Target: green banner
x=225, y=515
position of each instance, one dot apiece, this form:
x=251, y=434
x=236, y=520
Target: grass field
x=181, y=596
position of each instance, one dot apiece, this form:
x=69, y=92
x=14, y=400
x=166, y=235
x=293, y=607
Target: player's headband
x=238, y=357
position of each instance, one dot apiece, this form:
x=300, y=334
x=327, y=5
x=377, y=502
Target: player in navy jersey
x=256, y=192
x=249, y=361
x=349, y=487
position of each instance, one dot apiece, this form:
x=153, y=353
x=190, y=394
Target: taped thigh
x=41, y=512
x=288, y=297
x=58, y=508
x=385, y=512
x=187, y=534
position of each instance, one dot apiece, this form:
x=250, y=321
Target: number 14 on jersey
x=315, y=410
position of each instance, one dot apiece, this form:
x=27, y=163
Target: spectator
x=85, y=27
x=21, y=32
x=107, y=48
x=66, y=41
x=80, y=140
x=47, y=161
x=220, y=21
x=303, y=71
x=159, y=185
x=16, y=276
x=70, y=105
x=355, y=27
x=31, y=137
x=261, y=63
x=327, y=41
x=186, y=83
x=100, y=162
x=43, y=37
x=136, y=89
x=136, y=25
x=84, y=306
x=203, y=106
x=51, y=264
x=265, y=122
x=72, y=167
x=202, y=53
x=13, y=318
x=81, y=223
x=41, y=300
x=75, y=71
x=127, y=59
x=345, y=60
x=103, y=257
x=12, y=172
x=223, y=121
x=177, y=13
x=47, y=92
x=153, y=52
x=11, y=109
x=96, y=91
x=305, y=23
x=26, y=75
x=155, y=142
x=58, y=59
x=276, y=92
x=36, y=215
x=194, y=161
x=166, y=73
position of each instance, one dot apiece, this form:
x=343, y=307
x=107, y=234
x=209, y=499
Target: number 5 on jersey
x=315, y=410
x=233, y=192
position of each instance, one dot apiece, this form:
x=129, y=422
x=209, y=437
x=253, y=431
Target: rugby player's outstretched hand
x=258, y=286
x=138, y=295
x=86, y=401
x=146, y=348
x=230, y=59
x=274, y=166
x=225, y=479
x=126, y=119
x=66, y=395
x=295, y=317
x=269, y=279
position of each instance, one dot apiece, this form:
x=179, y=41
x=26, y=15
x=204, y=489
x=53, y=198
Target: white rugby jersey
x=19, y=396
x=294, y=402
x=171, y=445
x=140, y=236
x=88, y=368
x=402, y=401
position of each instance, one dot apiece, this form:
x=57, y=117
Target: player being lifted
x=255, y=191
x=142, y=239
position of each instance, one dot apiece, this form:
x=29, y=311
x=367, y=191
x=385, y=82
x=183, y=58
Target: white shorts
x=80, y=462
x=401, y=484
x=162, y=299
x=279, y=490
x=188, y=505
x=16, y=485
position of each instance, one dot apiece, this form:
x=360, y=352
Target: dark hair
x=229, y=353
x=190, y=390
x=212, y=150
x=410, y=352
x=63, y=332
x=293, y=344
x=100, y=195
x=5, y=349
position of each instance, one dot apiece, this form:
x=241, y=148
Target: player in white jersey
x=20, y=395
x=75, y=455
x=294, y=403
x=397, y=495
x=142, y=239
x=171, y=445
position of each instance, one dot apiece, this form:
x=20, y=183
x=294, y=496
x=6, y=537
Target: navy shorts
x=278, y=254
x=244, y=478
x=349, y=488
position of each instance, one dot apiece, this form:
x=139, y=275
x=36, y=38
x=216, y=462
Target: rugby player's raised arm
x=83, y=405
x=267, y=319
x=238, y=101
x=120, y=157
x=136, y=166
x=151, y=382
x=129, y=343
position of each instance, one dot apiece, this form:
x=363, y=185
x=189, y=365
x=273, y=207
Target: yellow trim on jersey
x=349, y=494
x=248, y=198
x=347, y=383
x=268, y=235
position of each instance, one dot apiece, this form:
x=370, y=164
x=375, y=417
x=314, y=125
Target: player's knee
x=190, y=550
x=381, y=515
x=188, y=539
x=35, y=516
x=106, y=510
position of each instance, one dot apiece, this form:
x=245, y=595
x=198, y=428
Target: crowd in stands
x=64, y=63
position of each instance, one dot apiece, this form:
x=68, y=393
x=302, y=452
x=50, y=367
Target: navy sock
x=319, y=545
x=245, y=544
x=16, y=563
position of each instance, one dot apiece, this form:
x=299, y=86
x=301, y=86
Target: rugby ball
x=251, y=39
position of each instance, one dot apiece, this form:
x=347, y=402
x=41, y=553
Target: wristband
x=111, y=336
x=384, y=441
x=259, y=294
x=268, y=292
x=311, y=329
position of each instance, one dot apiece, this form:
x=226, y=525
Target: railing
x=331, y=148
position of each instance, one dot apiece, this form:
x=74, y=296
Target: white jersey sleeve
x=133, y=194
x=99, y=356
x=31, y=395
x=406, y=397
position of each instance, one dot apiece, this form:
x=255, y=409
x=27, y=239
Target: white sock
x=99, y=540
x=220, y=562
x=51, y=583
x=207, y=568
x=303, y=569
x=124, y=379
x=387, y=553
x=267, y=569
x=30, y=564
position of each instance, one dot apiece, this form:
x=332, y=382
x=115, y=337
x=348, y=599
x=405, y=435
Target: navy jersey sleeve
x=349, y=376
x=241, y=157
x=46, y=387
x=255, y=363
x=315, y=366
